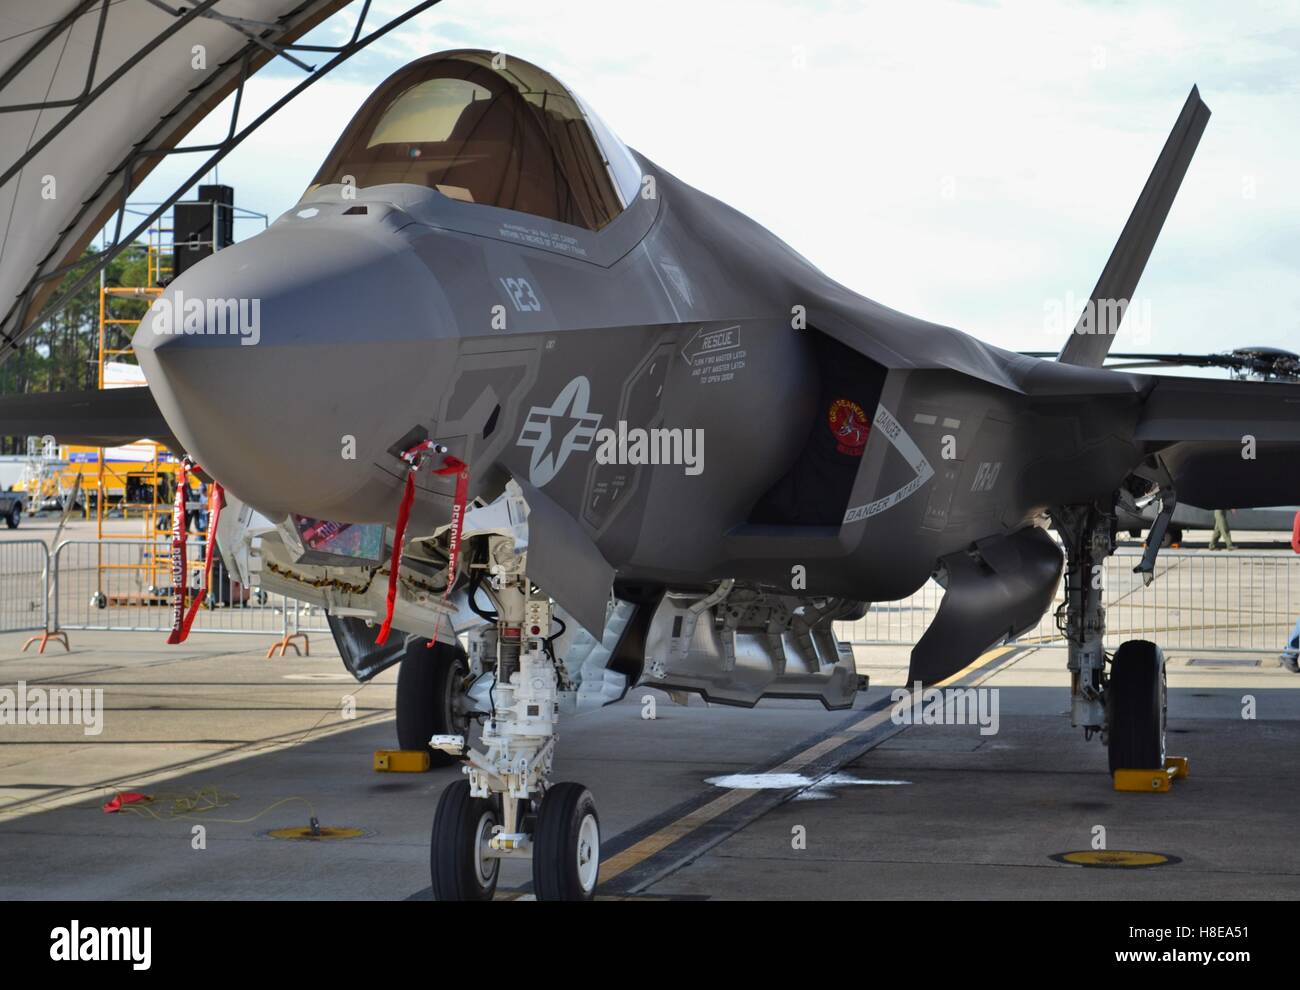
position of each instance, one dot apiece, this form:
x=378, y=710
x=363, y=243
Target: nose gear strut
x=508, y=779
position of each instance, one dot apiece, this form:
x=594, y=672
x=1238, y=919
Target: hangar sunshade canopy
x=95, y=93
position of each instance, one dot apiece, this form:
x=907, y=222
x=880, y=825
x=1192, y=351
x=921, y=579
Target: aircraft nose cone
x=273, y=357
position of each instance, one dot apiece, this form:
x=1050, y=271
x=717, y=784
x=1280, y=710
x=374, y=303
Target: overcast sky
x=969, y=163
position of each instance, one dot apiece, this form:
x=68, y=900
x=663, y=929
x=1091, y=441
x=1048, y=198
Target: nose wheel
x=566, y=845
x=464, y=863
x=460, y=865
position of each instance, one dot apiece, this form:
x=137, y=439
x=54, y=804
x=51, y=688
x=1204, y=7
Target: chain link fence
x=125, y=584
x=24, y=571
x=1200, y=601
x=1224, y=602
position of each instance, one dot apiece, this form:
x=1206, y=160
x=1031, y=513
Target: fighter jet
x=497, y=374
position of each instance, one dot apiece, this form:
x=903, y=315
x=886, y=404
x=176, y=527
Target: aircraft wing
x=95, y=418
x=1226, y=444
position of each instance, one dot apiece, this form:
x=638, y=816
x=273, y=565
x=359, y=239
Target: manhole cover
x=305, y=834
x=1115, y=859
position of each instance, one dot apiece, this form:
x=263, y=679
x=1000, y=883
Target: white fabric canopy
x=156, y=101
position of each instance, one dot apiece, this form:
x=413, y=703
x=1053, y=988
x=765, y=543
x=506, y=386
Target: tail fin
x=1101, y=317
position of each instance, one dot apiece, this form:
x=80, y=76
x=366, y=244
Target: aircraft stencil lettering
x=986, y=476
x=522, y=295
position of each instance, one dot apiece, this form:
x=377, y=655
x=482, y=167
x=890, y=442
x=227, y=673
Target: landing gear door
x=239, y=533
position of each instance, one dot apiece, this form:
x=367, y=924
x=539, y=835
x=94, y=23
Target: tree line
x=61, y=354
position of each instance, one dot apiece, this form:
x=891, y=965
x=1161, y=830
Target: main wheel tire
x=462, y=826
x=427, y=682
x=15, y=516
x=1173, y=538
x=1137, y=707
x=566, y=845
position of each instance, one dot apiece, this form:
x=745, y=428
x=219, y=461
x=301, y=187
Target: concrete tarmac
x=868, y=808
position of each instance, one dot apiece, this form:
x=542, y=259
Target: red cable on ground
x=115, y=803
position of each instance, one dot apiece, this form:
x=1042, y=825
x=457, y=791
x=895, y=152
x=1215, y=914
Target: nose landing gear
x=506, y=808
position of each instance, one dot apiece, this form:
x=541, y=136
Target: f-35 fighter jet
x=497, y=374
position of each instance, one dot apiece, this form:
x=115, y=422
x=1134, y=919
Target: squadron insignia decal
x=849, y=425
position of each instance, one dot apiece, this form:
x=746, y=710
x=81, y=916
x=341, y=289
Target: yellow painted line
x=640, y=851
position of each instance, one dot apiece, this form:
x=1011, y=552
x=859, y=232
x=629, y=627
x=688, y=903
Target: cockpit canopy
x=485, y=128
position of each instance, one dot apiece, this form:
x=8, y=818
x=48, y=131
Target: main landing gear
x=1136, y=707
x=1126, y=705
x=506, y=808
x=430, y=699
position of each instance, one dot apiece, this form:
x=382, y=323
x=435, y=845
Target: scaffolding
x=134, y=487
x=144, y=488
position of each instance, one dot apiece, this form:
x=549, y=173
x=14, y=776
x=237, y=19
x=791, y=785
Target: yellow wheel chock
x=1152, y=781
x=402, y=760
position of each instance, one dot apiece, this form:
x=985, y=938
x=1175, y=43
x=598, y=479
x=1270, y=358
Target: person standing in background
x=1221, y=531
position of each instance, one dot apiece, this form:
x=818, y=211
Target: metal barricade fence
x=1226, y=602
x=24, y=572
x=1200, y=602
x=123, y=584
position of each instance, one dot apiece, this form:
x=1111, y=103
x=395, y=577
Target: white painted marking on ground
x=317, y=677
x=817, y=789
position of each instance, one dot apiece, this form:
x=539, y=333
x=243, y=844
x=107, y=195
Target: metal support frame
x=18, y=320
